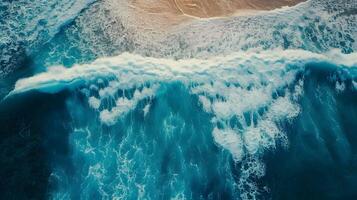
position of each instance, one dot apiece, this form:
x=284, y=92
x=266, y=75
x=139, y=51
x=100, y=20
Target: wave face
x=154, y=128
x=264, y=113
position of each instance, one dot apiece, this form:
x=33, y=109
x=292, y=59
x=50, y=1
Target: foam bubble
x=340, y=87
x=94, y=102
x=230, y=140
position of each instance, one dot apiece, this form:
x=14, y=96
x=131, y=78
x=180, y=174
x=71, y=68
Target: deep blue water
x=275, y=124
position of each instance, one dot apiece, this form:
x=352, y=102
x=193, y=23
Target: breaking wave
x=134, y=108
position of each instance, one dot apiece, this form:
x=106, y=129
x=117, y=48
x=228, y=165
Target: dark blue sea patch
x=26, y=147
x=321, y=161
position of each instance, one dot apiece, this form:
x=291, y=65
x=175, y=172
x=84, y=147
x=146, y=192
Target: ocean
x=249, y=107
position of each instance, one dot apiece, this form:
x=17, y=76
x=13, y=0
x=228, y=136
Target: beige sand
x=208, y=8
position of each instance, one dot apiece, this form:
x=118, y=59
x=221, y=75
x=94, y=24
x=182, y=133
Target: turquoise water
x=273, y=117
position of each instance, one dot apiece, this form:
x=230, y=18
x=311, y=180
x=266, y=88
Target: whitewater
x=248, y=107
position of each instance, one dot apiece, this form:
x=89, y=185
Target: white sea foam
x=135, y=69
x=230, y=140
x=124, y=105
